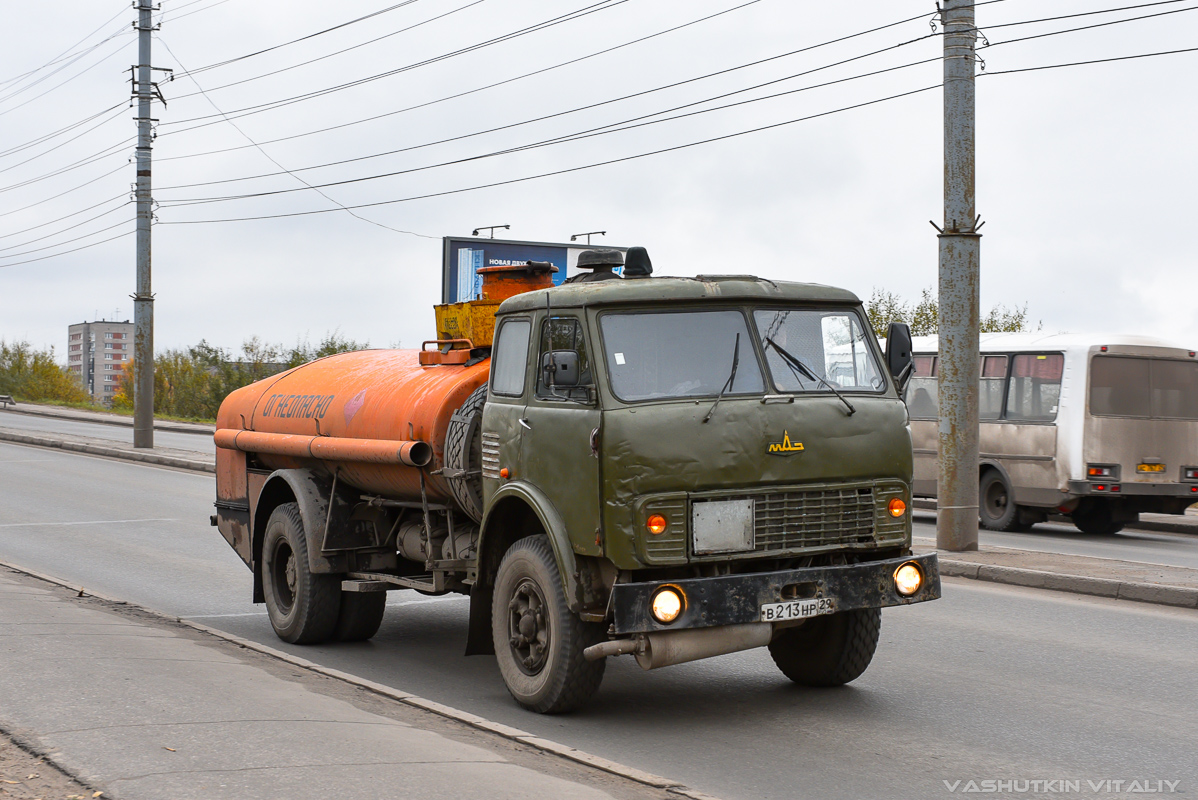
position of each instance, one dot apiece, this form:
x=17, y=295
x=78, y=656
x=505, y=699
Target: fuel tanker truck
x=667, y=468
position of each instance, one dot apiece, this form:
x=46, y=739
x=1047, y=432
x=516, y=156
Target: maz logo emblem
x=785, y=447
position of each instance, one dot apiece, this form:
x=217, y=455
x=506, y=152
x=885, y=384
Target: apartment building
x=96, y=353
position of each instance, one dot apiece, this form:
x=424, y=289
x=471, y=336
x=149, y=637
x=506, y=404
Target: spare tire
x=464, y=454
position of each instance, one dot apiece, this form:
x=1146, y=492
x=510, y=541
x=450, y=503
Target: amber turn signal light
x=656, y=524
x=896, y=507
x=503, y=473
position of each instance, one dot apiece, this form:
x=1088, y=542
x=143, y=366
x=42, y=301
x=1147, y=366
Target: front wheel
x=302, y=606
x=828, y=651
x=538, y=640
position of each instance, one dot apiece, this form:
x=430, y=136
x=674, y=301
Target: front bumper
x=736, y=599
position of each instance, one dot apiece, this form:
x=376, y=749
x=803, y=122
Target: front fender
x=553, y=525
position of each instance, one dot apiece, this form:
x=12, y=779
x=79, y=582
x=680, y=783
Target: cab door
x=562, y=422
x=503, y=416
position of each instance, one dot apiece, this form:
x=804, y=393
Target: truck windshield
x=658, y=355
x=832, y=343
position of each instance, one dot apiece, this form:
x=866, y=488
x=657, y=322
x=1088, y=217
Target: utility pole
x=143, y=300
x=959, y=305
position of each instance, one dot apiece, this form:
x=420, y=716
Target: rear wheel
x=360, y=616
x=830, y=650
x=1096, y=518
x=302, y=606
x=996, y=503
x=538, y=640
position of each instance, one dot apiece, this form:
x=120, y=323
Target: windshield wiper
x=728, y=383
x=795, y=364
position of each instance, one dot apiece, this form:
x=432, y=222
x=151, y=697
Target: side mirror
x=560, y=368
x=898, y=353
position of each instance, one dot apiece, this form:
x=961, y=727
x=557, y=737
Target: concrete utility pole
x=143, y=300
x=960, y=256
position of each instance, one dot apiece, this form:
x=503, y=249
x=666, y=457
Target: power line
x=28, y=86
x=567, y=170
x=60, y=194
x=68, y=241
x=480, y=88
x=228, y=61
x=337, y=52
x=280, y=166
x=65, y=129
x=68, y=142
x=66, y=252
x=65, y=53
x=615, y=127
x=1095, y=25
x=1083, y=14
x=1091, y=61
x=106, y=153
x=68, y=216
x=275, y=104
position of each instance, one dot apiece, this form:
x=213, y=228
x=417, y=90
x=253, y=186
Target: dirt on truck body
x=671, y=468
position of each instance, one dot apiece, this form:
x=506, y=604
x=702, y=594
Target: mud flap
x=478, y=637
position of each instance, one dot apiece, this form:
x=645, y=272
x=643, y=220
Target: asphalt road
x=119, y=433
x=991, y=682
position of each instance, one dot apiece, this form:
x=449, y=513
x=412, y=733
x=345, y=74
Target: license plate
x=797, y=609
x=1150, y=467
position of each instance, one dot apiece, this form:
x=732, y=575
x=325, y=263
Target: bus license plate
x=797, y=609
x=1150, y=467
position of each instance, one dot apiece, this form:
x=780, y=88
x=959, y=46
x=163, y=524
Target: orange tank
x=373, y=416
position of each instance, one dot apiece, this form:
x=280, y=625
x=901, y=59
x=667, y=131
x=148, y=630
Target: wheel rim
x=284, y=577
x=996, y=500
x=528, y=627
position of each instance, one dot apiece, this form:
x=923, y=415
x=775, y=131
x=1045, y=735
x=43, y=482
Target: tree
x=885, y=307
x=29, y=374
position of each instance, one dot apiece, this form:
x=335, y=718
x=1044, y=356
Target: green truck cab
x=677, y=468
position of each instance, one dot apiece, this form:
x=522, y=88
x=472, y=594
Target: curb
x=120, y=422
x=1143, y=525
x=473, y=720
x=1160, y=594
x=110, y=452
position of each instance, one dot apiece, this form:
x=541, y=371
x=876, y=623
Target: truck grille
x=799, y=520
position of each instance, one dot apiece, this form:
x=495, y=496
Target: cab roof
x=658, y=290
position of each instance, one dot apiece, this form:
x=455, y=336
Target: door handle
x=524, y=423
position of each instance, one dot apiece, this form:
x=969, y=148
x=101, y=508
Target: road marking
x=84, y=522
x=26, y=461
x=429, y=600
x=217, y=616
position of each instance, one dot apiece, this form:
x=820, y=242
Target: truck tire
x=360, y=616
x=302, y=607
x=538, y=640
x=1096, y=518
x=830, y=650
x=996, y=503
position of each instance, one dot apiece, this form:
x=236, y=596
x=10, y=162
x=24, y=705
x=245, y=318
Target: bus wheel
x=1096, y=517
x=302, y=607
x=538, y=640
x=996, y=504
x=828, y=651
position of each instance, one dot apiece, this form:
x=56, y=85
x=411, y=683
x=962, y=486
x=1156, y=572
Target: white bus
x=1100, y=429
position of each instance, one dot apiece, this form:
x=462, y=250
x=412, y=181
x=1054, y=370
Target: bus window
x=992, y=386
x=1120, y=387
x=921, y=391
x=1035, y=387
x=1143, y=387
x=1175, y=389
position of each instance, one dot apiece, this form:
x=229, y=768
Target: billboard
x=463, y=256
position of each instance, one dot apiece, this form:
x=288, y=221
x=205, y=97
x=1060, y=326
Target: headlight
x=666, y=605
x=907, y=579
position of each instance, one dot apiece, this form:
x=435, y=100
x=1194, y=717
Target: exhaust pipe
x=666, y=648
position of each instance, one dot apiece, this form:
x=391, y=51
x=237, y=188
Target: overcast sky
x=1085, y=174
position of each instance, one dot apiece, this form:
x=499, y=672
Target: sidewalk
x=104, y=418
x=1104, y=577
x=159, y=456
x=136, y=706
